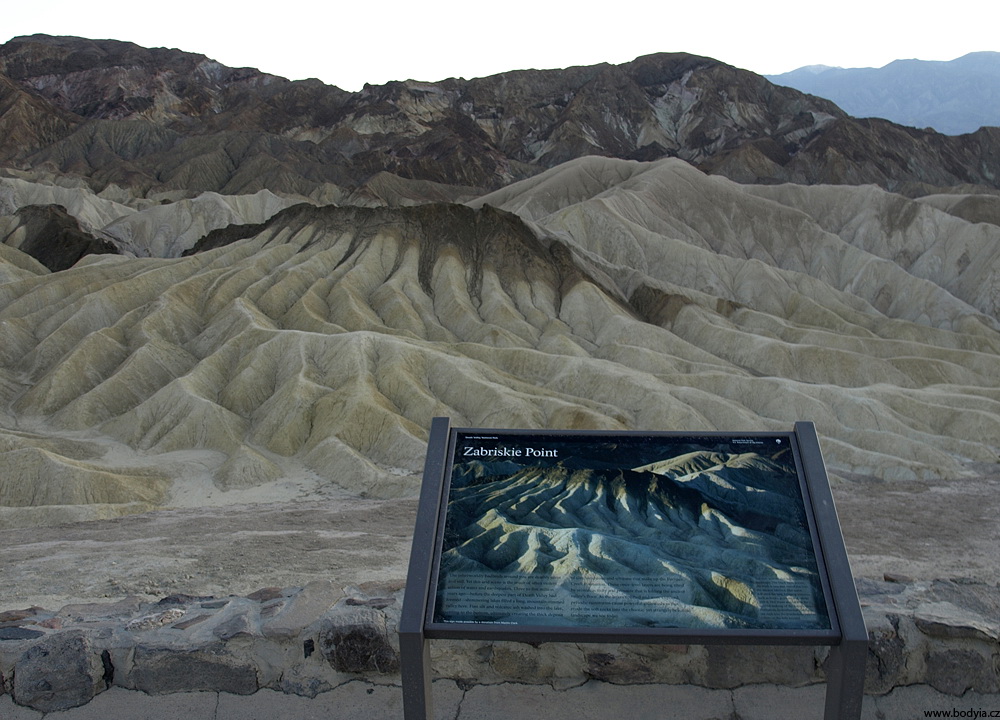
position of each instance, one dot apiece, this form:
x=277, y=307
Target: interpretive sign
x=630, y=537
x=648, y=531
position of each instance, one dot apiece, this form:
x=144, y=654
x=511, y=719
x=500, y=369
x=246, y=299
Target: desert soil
x=917, y=529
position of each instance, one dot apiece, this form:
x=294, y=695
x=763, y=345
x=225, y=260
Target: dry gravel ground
x=924, y=530
x=917, y=529
x=206, y=551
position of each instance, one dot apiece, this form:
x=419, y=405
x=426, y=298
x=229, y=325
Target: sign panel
x=708, y=532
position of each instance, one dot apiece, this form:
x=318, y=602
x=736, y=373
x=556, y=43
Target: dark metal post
x=846, y=666
x=845, y=679
x=415, y=662
x=414, y=649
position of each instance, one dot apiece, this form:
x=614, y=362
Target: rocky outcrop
x=58, y=225
x=165, y=120
x=29, y=122
x=50, y=235
x=110, y=79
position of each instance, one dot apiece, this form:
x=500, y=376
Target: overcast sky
x=350, y=44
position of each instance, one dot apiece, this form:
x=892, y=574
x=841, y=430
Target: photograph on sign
x=624, y=530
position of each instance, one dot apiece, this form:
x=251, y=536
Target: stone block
x=19, y=633
x=955, y=670
x=886, y=658
x=543, y=662
x=213, y=668
x=124, y=608
x=16, y=616
x=61, y=671
x=239, y=623
x=356, y=640
x=462, y=659
x=613, y=668
x=628, y=664
x=302, y=610
x=517, y=661
x=946, y=620
x=265, y=594
x=730, y=666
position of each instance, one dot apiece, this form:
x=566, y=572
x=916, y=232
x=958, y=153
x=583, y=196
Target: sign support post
x=677, y=489
x=414, y=648
x=846, y=665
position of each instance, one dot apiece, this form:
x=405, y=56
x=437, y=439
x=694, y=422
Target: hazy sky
x=350, y=44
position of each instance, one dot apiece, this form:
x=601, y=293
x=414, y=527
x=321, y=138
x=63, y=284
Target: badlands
x=254, y=414
x=309, y=355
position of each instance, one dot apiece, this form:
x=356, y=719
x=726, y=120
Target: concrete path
x=592, y=701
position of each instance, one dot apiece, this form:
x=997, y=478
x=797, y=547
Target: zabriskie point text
x=473, y=451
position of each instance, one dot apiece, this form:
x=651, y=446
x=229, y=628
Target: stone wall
x=309, y=640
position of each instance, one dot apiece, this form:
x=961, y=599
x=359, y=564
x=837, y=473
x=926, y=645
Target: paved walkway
x=593, y=701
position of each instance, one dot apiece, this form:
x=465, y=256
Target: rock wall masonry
x=310, y=640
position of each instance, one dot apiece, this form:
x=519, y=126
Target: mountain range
x=217, y=285
x=954, y=97
x=169, y=124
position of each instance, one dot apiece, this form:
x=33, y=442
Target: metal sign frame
x=846, y=635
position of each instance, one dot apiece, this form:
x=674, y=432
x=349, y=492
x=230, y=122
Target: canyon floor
x=919, y=529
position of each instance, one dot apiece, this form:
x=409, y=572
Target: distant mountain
x=168, y=124
x=954, y=97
